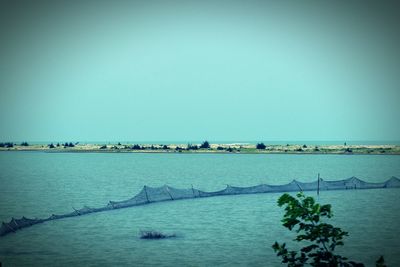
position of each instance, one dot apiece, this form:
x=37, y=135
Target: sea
x=218, y=231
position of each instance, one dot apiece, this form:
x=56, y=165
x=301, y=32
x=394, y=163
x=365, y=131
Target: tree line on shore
x=189, y=147
x=51, y=145
x=65, y=145
x=12, y=144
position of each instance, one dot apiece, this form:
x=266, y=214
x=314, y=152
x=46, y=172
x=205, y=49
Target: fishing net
x=166, y=193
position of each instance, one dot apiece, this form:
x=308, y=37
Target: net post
x=318, y=185
x=145, y=191
x=193, y=191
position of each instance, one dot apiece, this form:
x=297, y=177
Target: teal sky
x=195, y=70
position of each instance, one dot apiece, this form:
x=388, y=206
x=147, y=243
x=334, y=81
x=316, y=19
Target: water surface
x=227, y=231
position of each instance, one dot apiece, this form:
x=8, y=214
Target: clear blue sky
x=195, y=70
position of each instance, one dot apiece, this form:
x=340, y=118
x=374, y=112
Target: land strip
x=210, y=148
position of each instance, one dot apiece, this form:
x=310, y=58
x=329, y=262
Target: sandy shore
x=214, y=148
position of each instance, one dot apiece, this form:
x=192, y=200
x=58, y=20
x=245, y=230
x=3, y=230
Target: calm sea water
x=225, y=231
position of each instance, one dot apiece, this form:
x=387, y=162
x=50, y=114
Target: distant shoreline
x=234, y=148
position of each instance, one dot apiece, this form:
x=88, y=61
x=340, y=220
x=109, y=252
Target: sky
x=196, y=70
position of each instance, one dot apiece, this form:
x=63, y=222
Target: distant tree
x=136, y=147
x=261, y=146
x=178, y=148
x=58, y=144
x=220, y=148
x=192, y=147
x=229, y=149
x=165, y=147
x=316, y=149
x=119, y=143
x=24, y=144
x=299, y=149
x=70, y=144
x=51, y=145
x=9, y=144
x=205, y=144
x=103, y=147
x=304, y=146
